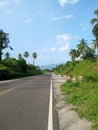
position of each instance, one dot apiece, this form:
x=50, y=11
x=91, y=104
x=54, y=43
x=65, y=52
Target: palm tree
x=4, y=41
x=73, y=54
x=89, y=53
x=95, y=46
x=34, y=55
x=82, y=46
x=94, y=22
x=19, y=56
x=26, y=54
x=7, y=55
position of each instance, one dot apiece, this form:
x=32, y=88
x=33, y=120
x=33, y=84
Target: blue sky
x=48, y=27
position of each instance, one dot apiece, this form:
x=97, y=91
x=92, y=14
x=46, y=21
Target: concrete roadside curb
x=68, y=119
x=8, y=81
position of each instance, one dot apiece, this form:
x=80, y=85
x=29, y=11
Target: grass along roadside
x=84, y=95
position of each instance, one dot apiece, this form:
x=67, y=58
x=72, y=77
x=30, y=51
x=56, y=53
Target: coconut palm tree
x=19, y=56
x=4, y=42
x=89, y=53
x=26, y=54
x=73, y=54
x=94, y=22
x=82, y=46
x=34, y=55
x=7, y=55
x=95, y=47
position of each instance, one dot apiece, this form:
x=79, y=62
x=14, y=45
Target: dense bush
x=13, y=68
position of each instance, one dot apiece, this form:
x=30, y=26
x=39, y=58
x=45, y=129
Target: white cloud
x=40, y=56
x=42, y=50
x=53, y=49
x=3, y=4
x=62, y=17
x=9, y=11
x=64, y=2
x=64, y=48
x=83, y=26
x=16, y=1
x=62, y=43
x=28, y=20
x=63, y=40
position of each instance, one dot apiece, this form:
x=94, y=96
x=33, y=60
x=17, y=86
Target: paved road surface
x=24, y=104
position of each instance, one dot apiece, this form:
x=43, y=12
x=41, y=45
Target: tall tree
x=26, y=54
x=34, y=55
x=95, y=46
x=7, y=55
x=4, y=42
x=82, y=47
x=89, y=53
x=94, y=22
x=19, y=56
x=73, y=54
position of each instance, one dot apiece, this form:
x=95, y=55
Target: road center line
x=50, y=115
x=6, y=91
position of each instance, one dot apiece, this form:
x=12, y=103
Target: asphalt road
x=24, y=104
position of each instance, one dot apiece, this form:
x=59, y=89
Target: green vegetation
x=80, y=68
x=82, y=92
x=94, y=22
x=4, y=42
x=12, y=67
x=84, y=95
x=16, y=68
x=34, y=55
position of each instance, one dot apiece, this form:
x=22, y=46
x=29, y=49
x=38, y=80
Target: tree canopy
x=34, y=55
x=4, y=42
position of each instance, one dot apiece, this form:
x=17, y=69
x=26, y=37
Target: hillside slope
x=85, y=67
x=82, y=93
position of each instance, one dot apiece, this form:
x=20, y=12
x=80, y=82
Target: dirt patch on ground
x=68, y=119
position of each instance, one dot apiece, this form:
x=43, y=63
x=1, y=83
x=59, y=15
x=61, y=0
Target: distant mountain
x=51, y=66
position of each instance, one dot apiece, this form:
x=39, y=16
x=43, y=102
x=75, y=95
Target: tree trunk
x=0, y=55
x=33, y=61
x=97, y=53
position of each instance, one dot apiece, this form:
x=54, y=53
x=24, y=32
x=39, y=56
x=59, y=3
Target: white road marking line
x=50, y=115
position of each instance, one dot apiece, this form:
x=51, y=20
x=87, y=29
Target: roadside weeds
x=68, y=118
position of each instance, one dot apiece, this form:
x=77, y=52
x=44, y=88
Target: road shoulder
x=68, y=119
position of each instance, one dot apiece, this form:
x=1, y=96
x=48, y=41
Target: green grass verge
x=79, y=68
x=84, y=95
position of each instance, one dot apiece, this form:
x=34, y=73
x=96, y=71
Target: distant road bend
x=27, y=104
